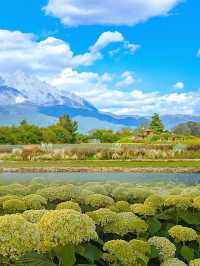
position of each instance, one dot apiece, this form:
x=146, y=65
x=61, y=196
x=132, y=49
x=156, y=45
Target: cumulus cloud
x=109, y=98
x=127, y=79
x=22, y=51
x=179, y=85
x=105, y=39
x=109, y=12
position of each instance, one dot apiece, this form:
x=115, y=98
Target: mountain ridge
x=26, y=97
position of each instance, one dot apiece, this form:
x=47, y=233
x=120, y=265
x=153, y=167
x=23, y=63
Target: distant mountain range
x=26, y=97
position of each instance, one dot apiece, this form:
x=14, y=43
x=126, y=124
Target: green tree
x=65, y=130
x=104, y=135
x=156, y=124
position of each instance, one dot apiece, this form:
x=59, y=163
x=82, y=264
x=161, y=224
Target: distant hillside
x=26, y=97
x=189, y=128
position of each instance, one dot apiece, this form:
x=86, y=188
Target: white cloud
x=109, y=12
x=105, y=39
x=22, y=51
x=198, y=53
x=132, y=47
x=179, y=85
x=110, y=98
x=127, y=79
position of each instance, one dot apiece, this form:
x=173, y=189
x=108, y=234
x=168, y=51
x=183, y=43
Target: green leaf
x=90, y=252
x=34, y=259
x=154, y=225
x=66, y=255
x=166, y=215
x=187, y=253
x=190, y=217
x=143, y=261
x=154, y=252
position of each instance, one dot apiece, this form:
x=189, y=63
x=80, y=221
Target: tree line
x=65, y=130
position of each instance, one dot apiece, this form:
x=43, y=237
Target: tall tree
x=156, y=124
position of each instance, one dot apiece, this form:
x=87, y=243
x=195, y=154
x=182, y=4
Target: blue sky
x=148, y=52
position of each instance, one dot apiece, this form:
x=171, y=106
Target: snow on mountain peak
x=40, y=92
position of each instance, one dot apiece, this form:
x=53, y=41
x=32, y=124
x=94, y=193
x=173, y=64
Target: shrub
x=62, y=227
x=14, y=205
x=17, y=236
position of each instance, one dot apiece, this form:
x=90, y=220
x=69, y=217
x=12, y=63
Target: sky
x=128, y=57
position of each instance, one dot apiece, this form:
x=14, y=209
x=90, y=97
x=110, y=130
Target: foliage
x=156, y=124
x=100, y=223
x=64, y=131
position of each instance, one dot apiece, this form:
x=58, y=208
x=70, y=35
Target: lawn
x=88, y=163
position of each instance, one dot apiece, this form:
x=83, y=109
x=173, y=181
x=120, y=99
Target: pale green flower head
x=59, y=193
x=178, y=201
x=62, y=227
x=34, y=216
x=154, y=201
x=99, y=201
x=96, y=188
x=196, y=203
x=7, y=197
x=165, y=247
x=17, y=189
x=140, y=246
x=120, y=252
x=195, y=262
x=102, y=216
x=173, y=262
x=17, y=236
x=181, y=233
x=143, y=209
x=35, y=201
x=68, y=205
x=126, y=222
x=50, y=193
x=14, y=205
x=33, y=187
x=120, y=206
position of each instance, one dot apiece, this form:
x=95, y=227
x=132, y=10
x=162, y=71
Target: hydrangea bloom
x=142, y=247
x=34, y=201
x=98, y=200
x=195, y=262
x=196, y=203
x=120, y=206
x=102, y=216
x=17, y=236
x=154, y=201
x=7, y=197
x=182, y=202
x=143, y=209
x=17, y=189
x=120, y=252
x=126, y=222
x=173, y=262
x=59, y=193
x=14, y=205
x=181, y=233
x=125, y=253
x=68, y=205
x=166, y=248
x=62, y=227
x=34, y=216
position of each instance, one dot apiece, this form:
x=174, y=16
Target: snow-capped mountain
x=41, y=93
x=27, y=97
x=10, y=96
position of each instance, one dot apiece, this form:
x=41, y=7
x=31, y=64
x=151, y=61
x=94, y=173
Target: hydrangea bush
x=99, y=223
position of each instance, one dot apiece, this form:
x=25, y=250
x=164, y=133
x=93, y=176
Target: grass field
x=82, y=163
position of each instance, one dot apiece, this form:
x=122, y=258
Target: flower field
x=99, y=223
